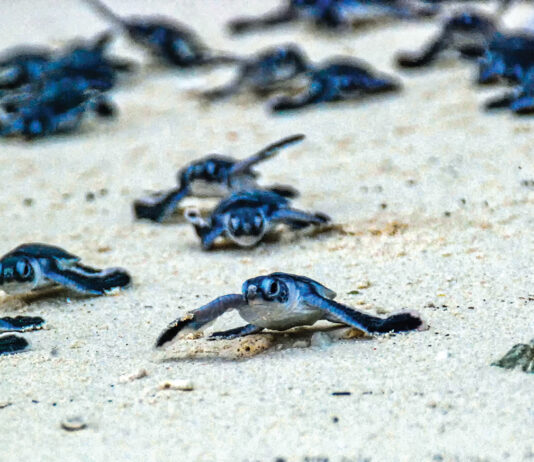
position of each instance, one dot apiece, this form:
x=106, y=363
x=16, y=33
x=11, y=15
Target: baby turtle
x=212, y=176
x=10, y=344
x=245, y=218
x=338, y=80
x=521, y=355
x=280, y=301
x=469, y=33
x=265, y=72
x=55, y=106
x=169, y=41
x=334, y=14
x=508, y=57
x=35, y=266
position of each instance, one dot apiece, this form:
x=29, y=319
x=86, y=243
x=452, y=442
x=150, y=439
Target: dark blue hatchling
x=334, y=14
x=280, y=301
x=10, y=344
x=338, y=80
x=55, y=106
x=36, y=266
x=265, y=72
x=468, y=33
x=246, y=217
x=212, y=176
x=170, y=42
x=509, y=57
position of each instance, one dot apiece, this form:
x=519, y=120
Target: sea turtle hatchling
x=340, y=79
x=280, y=301
x=212, y=176
x=11, y=343
x=35, y=266
x=265, y=72
x=172, y=43
x=467, y=32
x=246, y=217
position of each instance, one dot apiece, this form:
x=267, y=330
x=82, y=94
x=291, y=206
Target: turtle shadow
x=243, y=348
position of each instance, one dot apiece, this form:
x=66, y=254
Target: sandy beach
x=435, y=214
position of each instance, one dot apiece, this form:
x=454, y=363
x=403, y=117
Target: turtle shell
x=38, y=250
x=323, y=291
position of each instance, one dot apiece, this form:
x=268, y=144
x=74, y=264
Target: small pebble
x=125, y=378
x=90, y=197
x=73, y=424
x=28, y=202
x=182, y=385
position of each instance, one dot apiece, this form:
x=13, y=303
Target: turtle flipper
x=336, y=312
x=10, y=344
x=88, y=280
x=158, y=208
x=249, y=329
x=284, y=191
x=298, y=219
x=201, y=317
x=224, y=91
x=501, y=102
x=21, y=323
x=207, y=233
x=266, y=153
x=425, y=57
x=240, y=26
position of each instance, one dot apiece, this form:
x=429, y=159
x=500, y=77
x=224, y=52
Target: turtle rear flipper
x=157, y=208
x=21, y=323
x=89, y=281
x=10, y=344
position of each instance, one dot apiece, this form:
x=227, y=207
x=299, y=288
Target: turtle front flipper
x=224, y=91
x=200, y=318
x=207, y=232
x=298, y=219
x=266, y=153
x=86, y=280
x=159, y=207
x=336, y=312
x=11, y=344
x=21, y=323
x=282, y=16
x=249, y=329
x=502, y=102
x=425, y=57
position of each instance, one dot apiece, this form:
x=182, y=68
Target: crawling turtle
x=264, y=72
x=173, y=43
x=34, y=266
x=335, y=14
x=10, y=344
x=509, y=57
x=338, y=80
x=469, y=33
x=245, y=218
x=212, y=176
x=280, y=301
x=55, y=106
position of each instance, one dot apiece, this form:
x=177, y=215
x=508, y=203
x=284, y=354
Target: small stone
x=320, y=339
x=125, y=378
x=182, y=385
x=73, y=424
x=28, y=202
x=4, y=404
x=90, y=197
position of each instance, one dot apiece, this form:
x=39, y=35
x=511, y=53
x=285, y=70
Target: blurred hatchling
x=34, y=266
x=55, y=106
x=519, y=101
x=468, y=33
x=246, y=217
x=265, y=72
x=172, y=43
x=213, y=176
x=280, y=301
x=11, y=343
x=335, y=14
x=338, y=80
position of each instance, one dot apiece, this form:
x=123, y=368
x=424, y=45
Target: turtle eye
x=274, y=288
x=24, y=270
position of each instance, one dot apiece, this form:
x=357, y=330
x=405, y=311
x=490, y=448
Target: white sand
x=418, y=397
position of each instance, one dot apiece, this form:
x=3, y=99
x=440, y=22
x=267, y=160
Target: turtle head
x=263, y=289
x=246, y=226
x=17, y=274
